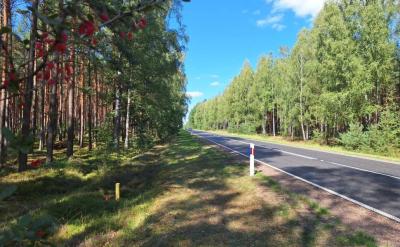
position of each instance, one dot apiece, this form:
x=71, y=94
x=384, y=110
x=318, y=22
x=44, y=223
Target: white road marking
x=312, y=158
x=364, y=170
x=392, y=217
x=280, y=150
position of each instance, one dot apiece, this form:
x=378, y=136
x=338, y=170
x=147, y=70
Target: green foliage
x=355, y=138
x=341, y=74
x=7, y=191
x=382, y=137
x=357, y=239
x=29, y=231
x=17, y=143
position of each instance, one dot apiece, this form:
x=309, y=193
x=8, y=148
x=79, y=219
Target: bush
x=247, y=128
x=318, y=136
x=355, y=138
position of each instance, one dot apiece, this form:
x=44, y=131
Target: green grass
x=393, y=156
x=183, y=194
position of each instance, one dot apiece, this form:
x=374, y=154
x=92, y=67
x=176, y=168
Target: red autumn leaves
x=87, y=28
x=36, y=163
x=59, y=43
x=141, y=24
x=40, y=233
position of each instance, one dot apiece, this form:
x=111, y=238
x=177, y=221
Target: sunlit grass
x=185, y=193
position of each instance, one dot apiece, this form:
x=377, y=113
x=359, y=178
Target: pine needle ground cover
x=186, y=193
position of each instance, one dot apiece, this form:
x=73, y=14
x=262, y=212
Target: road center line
x=312, y=158
x=392, y=217
x=279, y=150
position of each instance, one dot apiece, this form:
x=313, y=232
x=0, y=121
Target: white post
x=251, y=159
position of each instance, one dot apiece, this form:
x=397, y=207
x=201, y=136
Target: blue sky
x=223, y=34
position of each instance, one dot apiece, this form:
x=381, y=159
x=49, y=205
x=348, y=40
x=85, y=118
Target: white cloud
x=198, y=78
x=245, y=11
x=194, y=94
x=302, y=8
x=214, y=76
x=272, y=21
x=215, y=84
x=256, y=12
x=278, y=27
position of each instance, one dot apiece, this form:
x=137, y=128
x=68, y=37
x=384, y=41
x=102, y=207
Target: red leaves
x=86, y=28
x=122, y=35
x=69, y=70
x=93, y=42
x=130, y=36
x=51, y=82
x=38, y=45
x=47, y=75
x=59, y=70
x=12, y=76
x=64, y=37
x=40, y=233
x=61, y=48
x=6, y=83
x=104, y=17
x=36, y=163
x=40, y=53
x=39, y=76
x=142, y=23
x=50, y=65
x=49, y=41
x=45, y=35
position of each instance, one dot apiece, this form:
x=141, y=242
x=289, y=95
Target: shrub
x=355, y=138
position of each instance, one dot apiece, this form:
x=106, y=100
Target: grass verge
x=186, y=193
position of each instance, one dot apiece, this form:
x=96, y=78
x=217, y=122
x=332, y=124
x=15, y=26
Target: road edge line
x=312, y=158
x=389, y=216
x=393, y=162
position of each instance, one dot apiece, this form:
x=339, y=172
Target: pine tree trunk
x=89, y=104
x=42, y=135
x=52, y=124
x=117, y=119
x=26, y=120
x=82, y=107
x=71, y=108
x=60, y=104
x=6, y=22
x=128, y=105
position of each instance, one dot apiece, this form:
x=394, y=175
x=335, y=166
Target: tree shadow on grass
x=191, y=201
x=205, y=210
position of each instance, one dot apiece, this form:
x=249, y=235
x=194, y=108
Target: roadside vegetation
x=185, y=193
x=339, y=85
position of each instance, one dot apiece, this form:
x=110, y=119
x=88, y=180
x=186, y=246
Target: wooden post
x=117, y=193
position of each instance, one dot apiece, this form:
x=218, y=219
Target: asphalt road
x=370, y=183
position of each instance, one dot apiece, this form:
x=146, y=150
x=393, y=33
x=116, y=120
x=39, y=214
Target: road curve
x=370, y=183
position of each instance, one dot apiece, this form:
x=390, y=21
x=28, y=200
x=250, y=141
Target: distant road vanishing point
x=372, y=184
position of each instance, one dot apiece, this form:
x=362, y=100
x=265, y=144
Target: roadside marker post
x=252, y=159
x=117, y=193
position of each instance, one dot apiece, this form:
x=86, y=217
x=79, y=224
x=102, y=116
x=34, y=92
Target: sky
x=223, y=34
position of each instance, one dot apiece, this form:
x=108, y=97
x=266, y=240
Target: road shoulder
x=349, y=214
